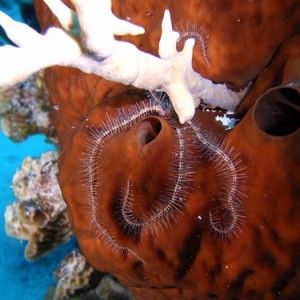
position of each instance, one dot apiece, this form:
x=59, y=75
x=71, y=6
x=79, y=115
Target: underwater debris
x=227, y=121
x=39, y=212
x=74, y=274
x=24, y=109
x=110, y=289
x=78, y=280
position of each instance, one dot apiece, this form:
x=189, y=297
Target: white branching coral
x=93, y=49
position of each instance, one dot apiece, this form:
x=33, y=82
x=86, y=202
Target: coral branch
x=65, y=15
x=99, y=53
x=35, y=51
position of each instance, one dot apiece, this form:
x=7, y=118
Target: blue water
x=19, y=278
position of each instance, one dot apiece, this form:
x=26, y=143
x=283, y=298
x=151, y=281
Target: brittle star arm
x=96, y=51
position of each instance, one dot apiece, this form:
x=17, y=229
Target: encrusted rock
x=74, y=275
x=25, y=109
x=39, y=213
x=110, y=289
x=77, y=280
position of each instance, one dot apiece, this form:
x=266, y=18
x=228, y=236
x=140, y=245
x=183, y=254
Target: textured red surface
x=190, y=211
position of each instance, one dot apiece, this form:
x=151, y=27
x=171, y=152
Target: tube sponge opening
x=277, y=112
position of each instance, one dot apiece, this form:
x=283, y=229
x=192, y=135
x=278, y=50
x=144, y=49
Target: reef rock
x=39, y=212
x=25, y=109
x=110, y=289
x=77, y=279
x=74, y=274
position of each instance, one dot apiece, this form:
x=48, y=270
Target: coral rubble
x=25, y=109
x=78, y=280
x=39, y=212
x=74, y=274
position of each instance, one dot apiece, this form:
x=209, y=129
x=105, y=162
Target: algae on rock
x=24, y=109
x=39, y=213
x=77, y=280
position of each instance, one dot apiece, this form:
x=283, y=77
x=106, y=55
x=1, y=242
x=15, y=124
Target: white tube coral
x=99, y=53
